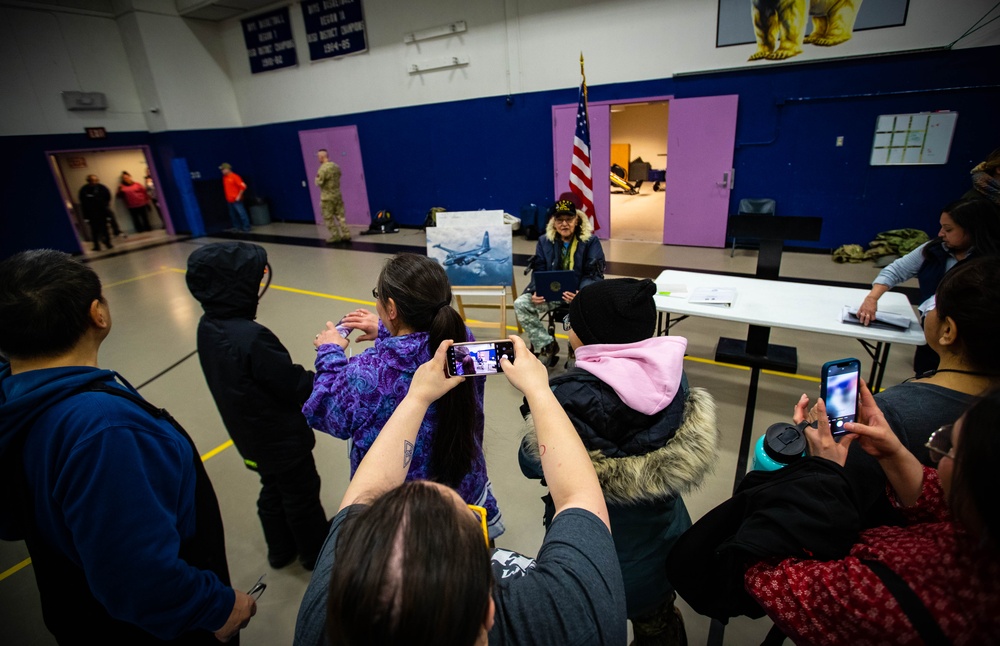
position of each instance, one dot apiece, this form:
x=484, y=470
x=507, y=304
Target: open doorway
x=125, y=227
x=639, y=161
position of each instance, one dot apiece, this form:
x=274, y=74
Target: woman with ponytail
x=354, y=397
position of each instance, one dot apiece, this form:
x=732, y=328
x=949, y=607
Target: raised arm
x=569, y=473
x=388, y=460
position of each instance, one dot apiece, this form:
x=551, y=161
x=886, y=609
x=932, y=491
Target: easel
x=492, y=291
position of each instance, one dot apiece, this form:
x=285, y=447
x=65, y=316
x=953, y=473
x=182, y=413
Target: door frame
x=562, y=153
x=67, y=198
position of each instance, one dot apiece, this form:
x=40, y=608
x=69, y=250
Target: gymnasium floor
x=153, y=342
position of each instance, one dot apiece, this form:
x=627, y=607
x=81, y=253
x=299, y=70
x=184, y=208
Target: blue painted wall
x=486, y=153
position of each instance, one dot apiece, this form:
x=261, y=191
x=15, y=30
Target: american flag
x=581, y=181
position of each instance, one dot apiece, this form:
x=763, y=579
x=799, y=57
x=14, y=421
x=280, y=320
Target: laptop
x=552, y=284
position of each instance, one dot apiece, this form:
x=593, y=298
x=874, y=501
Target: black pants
x=140, y=216
x=291, y=513
x=99, y=231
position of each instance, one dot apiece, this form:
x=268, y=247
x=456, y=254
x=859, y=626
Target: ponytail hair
x=419, y=287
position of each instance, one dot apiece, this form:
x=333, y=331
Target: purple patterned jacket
x=353, y=399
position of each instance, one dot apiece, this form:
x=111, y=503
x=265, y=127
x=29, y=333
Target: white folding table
x=764, y=304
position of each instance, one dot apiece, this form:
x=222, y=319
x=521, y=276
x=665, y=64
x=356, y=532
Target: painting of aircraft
x=468, y=264
x=462, y=258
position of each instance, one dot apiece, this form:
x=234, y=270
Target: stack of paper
x=884, y=320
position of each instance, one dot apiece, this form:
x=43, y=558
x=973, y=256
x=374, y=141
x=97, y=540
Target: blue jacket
x=119, y=508
x=588, y=261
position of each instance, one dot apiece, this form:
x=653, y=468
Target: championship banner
x=269, y=41
x=334, y=28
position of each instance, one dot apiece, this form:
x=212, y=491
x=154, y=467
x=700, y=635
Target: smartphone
x=840, y=382
x=478, y=358
x=344, y=331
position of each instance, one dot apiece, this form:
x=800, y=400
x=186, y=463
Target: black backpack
x=382, y=222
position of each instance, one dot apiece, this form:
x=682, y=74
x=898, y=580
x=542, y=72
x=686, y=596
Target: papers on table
x=883, y=320
x=721, y=296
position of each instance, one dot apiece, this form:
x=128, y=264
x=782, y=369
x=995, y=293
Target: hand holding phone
x=478, y=358
x=840, y=383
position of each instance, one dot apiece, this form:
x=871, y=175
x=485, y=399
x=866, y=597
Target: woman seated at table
x=942, y=566
x=968, y=228
x=408, y=563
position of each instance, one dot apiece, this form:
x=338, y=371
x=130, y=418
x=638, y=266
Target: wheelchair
x=554, y=319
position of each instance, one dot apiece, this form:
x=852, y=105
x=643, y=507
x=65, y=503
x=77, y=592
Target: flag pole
x=584, y=77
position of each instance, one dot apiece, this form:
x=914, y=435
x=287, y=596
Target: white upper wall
x=43, y=54
x=196, y=74
x=532, y=46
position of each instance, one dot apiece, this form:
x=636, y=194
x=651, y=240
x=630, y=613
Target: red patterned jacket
x=844, y=602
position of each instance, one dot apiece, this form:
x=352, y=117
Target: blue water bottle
x=782, y=444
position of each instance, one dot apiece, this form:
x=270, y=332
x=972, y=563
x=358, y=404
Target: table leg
x=883, y=360
x=744, y=452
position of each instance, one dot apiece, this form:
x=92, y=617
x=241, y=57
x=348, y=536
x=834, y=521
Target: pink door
x=563, y=131
x=699, y=176
x=344, y=149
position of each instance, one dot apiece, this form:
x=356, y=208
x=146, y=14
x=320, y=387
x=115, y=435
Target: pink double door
x=700, y=142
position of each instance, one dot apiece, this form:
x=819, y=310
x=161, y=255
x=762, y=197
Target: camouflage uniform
x=331, y=201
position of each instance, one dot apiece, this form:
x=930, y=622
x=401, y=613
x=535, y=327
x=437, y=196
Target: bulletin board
x=923, y=138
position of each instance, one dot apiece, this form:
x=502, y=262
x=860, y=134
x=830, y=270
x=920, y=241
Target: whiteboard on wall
x=913, y=139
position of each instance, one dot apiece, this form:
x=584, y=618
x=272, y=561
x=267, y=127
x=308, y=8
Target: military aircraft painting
x=469, y=256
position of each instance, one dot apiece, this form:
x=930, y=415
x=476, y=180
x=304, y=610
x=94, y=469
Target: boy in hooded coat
x=650, y=436
x=259, y=392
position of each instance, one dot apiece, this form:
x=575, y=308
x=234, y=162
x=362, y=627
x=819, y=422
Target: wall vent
x=85, y=100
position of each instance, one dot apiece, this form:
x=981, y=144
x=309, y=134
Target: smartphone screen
x=840, y=381
x=478, y=357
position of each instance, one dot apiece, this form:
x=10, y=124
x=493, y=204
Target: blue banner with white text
x=334, y=28
x=269, y=41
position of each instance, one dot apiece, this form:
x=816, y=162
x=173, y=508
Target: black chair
x=752, y=206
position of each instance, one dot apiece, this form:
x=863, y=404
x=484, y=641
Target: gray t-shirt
x=913, y=410
x=572, y=593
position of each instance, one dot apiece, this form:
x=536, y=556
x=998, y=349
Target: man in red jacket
x=235, y=187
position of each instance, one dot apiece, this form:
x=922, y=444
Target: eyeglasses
x=480, y=513
x=375, y=292
x=566, y=326
x=565, y=218
x=939, y=444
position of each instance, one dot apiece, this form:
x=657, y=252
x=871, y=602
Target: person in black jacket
x=650, y=436
x=95, y=199
x=259, y=392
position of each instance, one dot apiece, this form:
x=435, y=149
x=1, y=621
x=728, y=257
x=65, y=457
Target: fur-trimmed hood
x=585, y=227
x=675, y=468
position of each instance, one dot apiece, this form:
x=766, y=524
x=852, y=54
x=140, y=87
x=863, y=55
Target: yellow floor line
x=20, y=566
x=469, y=322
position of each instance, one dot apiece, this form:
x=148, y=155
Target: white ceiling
x=213, y=10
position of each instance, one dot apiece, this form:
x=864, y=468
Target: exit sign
x=96, y=133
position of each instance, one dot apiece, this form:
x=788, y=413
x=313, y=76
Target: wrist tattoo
x=407, y=452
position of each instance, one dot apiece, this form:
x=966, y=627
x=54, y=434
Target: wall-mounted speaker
x=85, y=100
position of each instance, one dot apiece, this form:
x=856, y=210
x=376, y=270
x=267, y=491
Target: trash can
x=260, y=214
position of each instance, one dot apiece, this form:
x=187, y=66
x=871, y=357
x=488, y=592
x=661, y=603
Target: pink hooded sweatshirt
x=645, y=375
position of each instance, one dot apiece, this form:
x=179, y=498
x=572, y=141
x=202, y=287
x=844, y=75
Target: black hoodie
x=258, y=389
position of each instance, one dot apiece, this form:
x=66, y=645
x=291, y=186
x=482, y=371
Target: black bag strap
x=914, y=609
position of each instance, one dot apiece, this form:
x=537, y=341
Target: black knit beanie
x=619, y=310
